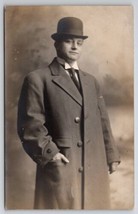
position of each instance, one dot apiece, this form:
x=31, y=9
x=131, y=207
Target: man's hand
x=61, y=157
x=112, y=167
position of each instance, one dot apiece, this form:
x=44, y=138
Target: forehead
x=75, y=39
x=67, y=37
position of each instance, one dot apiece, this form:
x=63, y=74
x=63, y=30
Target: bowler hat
x=69, y=27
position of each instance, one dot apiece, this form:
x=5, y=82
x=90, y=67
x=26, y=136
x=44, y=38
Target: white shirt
x=67, y=66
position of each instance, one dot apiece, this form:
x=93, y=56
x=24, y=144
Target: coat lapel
x=88, y=91
x=61, y=79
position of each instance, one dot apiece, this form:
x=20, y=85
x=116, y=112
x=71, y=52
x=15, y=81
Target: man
x=64, y=128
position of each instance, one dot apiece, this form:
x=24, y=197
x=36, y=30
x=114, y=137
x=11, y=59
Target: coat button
x=77, y=119
x=49, y=151
x=80, y=169
x=79, y=144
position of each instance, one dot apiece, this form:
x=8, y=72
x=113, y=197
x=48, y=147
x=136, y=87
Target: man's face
x=69, y=49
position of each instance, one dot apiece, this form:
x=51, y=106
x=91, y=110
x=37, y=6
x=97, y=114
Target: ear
x=57, y=45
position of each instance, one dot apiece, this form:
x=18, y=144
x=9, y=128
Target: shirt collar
x=66, y=65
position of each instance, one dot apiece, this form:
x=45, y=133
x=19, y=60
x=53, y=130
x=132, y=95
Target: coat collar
x=61, y=79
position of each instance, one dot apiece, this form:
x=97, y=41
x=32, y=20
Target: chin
x=70, y=61
x=73, y=58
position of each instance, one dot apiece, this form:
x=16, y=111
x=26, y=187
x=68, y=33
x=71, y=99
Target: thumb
x=64, y=159
x=113, y=167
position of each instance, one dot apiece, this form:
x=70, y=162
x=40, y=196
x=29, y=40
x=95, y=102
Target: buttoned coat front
x=53, y=116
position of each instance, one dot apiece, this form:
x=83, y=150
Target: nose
x=74, y=45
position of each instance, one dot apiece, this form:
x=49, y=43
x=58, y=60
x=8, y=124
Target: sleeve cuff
x=47, y=154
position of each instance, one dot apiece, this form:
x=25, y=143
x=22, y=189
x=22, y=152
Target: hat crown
x=69, y=26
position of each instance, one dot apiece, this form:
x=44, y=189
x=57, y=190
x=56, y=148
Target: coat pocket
x=57, y=171
x=55, y=163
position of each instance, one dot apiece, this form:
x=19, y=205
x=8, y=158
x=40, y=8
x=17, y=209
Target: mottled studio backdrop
x=107, y=54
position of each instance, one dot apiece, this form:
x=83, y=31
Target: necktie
x=73, y=77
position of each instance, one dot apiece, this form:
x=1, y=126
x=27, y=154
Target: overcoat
x=53, y=116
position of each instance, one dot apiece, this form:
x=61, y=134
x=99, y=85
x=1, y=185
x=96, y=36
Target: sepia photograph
x=69, y=111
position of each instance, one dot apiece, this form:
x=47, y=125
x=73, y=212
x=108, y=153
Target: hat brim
x=57, y=36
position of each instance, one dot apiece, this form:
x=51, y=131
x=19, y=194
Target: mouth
x=72, y=52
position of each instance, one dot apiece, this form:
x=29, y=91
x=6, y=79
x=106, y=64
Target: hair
x=57, y=45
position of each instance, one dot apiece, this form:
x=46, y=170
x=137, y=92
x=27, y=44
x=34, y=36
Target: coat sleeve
x=31, y=121
x=111, y=149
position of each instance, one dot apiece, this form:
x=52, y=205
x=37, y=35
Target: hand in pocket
x=61, y=157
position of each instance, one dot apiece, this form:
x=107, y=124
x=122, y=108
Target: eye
x=68, y=41
x=80, y=42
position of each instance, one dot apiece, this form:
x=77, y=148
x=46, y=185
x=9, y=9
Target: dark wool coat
x=53, y=116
